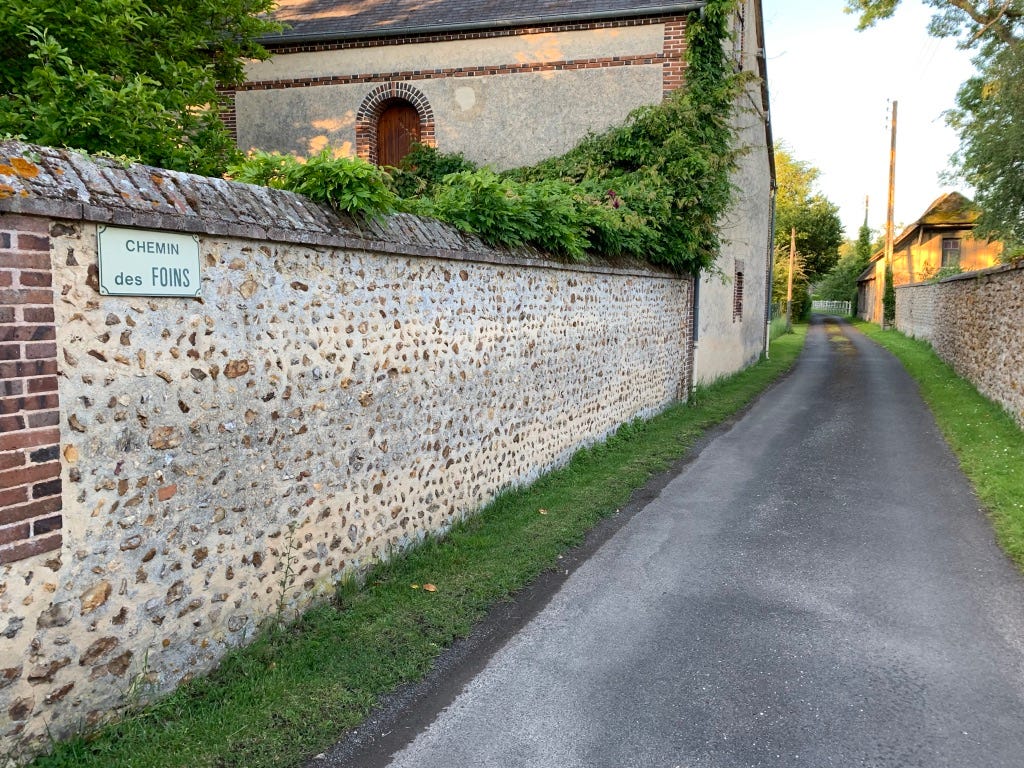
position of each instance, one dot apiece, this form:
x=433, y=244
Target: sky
x=831, y=89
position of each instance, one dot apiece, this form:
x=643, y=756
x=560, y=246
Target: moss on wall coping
x=65, y=184
x=973, y=275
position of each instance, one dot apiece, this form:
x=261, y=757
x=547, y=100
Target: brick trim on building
x=377, y=42
x=478, y=71
x=737, y=292
x=376, y=101
x=30, y=484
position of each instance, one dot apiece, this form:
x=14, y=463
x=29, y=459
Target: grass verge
x=294, y=691
x=984, y=437
x=777, y=328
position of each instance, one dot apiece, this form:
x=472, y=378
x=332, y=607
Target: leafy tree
x=990, y=120
x=801, y=308
x=990, y=106
x=889, y=298
x=969, y=20
x=840, y=284
x=819, y=231
x=127, y=77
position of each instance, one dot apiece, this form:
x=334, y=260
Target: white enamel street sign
x=140, y=262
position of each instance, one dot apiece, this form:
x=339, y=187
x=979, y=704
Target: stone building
x=508, y=84
x=941, y=241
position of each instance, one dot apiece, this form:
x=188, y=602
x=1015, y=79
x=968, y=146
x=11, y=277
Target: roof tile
x=327, y=19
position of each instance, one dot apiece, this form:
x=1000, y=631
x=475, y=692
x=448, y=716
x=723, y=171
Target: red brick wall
x=30, y=485
x=674, y=73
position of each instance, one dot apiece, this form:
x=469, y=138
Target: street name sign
x=140, y=262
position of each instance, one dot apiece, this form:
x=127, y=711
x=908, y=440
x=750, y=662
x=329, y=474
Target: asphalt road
x=818, y=588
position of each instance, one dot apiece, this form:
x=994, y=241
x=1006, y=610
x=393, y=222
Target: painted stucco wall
x=728, y=340
x=502, y=101
x=340, y=389
x=975, y=326
x=504, y=121
x=530, y=48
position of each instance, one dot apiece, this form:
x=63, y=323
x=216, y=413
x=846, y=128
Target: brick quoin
x=674, y=68
x=30, y=484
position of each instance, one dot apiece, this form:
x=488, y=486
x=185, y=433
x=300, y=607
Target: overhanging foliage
x=127, y=77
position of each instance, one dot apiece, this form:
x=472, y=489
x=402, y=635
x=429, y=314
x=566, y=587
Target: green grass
x=985, y=438
x=777, y=328
x=294, y=691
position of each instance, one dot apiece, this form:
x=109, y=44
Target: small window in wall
x=739, y=33
x=737, y=296
x=398, y=128
x=950, y=252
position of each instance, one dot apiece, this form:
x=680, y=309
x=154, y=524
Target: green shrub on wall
x=424, y=168
x=345, y=183
x=670, y=164
x=505, y=212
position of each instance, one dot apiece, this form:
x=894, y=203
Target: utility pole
x=889, y=215
x=789, y=281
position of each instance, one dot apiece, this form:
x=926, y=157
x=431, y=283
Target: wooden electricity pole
x=789, y=280
x=889, y=235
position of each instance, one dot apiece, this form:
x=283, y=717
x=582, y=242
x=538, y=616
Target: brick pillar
x=30, y=485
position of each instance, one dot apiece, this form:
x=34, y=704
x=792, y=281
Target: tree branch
x=991, y=20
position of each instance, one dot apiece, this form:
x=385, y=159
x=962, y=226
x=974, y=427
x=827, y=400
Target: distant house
x=508, y=83
x=941, y=240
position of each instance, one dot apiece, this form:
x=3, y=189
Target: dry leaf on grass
x=430, y=588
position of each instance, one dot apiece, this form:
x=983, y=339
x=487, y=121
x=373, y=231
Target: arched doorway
x=391, y=118
x=398, y=128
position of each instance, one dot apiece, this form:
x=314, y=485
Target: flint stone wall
x=915, y=310
x=340, y=390
x=974, y=323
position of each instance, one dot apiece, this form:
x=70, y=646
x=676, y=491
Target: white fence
x=831, y=307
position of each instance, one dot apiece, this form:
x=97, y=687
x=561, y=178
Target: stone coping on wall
x=984, y=272
x=67, y=184
x=973, y=275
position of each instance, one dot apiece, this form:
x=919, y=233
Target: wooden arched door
x=398, y=128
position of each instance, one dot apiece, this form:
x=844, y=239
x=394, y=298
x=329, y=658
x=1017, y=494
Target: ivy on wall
x=653, y=188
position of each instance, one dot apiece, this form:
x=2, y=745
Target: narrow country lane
x=818, y=588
